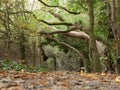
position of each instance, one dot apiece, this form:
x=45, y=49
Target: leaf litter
x=58, y=80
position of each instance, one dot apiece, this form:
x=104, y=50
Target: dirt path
x=60, y=80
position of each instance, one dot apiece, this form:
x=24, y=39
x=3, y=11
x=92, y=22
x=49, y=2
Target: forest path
x=59, y=80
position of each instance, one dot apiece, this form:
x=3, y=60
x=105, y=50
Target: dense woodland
x=59, y=44
x=61, y=34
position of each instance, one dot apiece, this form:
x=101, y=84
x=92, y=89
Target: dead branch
x=78, y=34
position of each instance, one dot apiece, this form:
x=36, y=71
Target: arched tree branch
x=74, y=28
x=53, y=23
x=57, y=16
x=56, y=6
x=67, y=45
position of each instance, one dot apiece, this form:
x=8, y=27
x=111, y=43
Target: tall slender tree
x=92, y=41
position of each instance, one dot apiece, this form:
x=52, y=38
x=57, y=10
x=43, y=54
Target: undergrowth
x=7, y=65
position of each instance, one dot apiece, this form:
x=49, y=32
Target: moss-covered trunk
x=92, y=42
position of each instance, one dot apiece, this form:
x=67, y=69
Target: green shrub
x=9, y=65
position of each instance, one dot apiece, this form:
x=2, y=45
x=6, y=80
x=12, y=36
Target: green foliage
x=9, y=65
x=54, y=2
x=101, y=20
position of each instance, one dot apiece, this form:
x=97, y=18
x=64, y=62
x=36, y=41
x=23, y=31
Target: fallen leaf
x=103, y=74
x=117, y=79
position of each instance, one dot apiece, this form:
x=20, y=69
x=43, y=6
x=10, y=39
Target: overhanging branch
x=79, y=30
x=67, y=45
x=60, y=32
x=56, y=6
x=57, y=16
x=56, y=23
x=53, y=23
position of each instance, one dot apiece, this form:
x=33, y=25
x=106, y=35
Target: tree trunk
x=93, y=47
x=22, y=41
x=40, y=52
x=34, y=53
x=115, y=25
x=55, y=64
x=8, y=30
